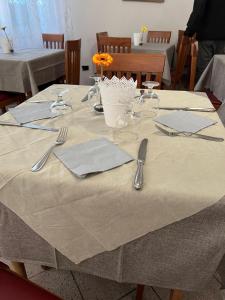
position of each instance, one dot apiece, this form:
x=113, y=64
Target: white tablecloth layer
x=23, y=70
x=85, y=217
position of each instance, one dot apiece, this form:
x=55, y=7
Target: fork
x=198, y=135
x=59, y=141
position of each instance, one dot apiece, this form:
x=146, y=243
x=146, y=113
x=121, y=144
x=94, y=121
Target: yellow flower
x=102, y=59
x=144, y=28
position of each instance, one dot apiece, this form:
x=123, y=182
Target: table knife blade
x=139, y=178
x=200, y=109
x=29, y=125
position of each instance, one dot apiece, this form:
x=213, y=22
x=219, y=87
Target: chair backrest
x=53, y=41
x=194, y=57
x=114, y=44
x=141, y=65
x=98, y=34
x=159, y=36
x=182, y=55
x=72, y=61
x=179, y=38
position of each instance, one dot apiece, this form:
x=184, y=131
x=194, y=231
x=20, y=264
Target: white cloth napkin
x=93, y=156
x=32, y=112
x=185, y=121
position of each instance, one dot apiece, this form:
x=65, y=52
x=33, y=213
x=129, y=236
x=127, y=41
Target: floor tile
x=60, y=283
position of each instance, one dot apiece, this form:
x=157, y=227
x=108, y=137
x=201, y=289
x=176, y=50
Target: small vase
x=97, y=106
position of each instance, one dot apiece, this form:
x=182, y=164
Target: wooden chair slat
x=159, y=36
x=53, y=41
x=72, y=61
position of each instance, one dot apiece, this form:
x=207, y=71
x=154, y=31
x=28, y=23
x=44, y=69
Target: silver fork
x=59, y=141
x=198, y=135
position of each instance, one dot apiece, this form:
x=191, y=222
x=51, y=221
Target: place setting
x=187, y=124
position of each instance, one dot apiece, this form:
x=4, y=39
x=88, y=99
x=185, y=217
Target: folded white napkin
x=185, y=121
x=91, y=157
x=32, y=112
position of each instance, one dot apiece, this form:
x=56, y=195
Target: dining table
x=213, y=77
x=170, y=234
x=23, y=70
x=168, y=49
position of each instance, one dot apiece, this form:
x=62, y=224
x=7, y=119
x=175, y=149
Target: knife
x=210, y=109
x=29, y=125
x=139, y=179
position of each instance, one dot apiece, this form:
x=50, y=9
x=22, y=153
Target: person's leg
x=205, y=54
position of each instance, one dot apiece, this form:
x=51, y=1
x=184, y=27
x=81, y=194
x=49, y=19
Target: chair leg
x=176, y=295
x=19, y=268
x=140, y=291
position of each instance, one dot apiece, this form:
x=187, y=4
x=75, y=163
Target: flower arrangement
x=144, y=28
x=102, y=60
x=7, y=38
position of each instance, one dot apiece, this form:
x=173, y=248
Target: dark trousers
x=206, y=51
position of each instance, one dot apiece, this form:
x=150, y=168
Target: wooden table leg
x=139, y=291
x=176, y=295
x=19, y=268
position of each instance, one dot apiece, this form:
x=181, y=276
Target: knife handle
x=139, y=178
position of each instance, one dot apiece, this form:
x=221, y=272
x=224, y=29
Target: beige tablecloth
x=167, y=49
x=213, y=77
x=85, y=217
x=23, y=70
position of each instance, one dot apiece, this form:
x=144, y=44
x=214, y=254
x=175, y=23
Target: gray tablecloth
x=167, y=49
x=23, y=70
x=183, y=255
x=213, y=77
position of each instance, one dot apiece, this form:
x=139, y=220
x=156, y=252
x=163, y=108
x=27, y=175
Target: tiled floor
x=78, y=286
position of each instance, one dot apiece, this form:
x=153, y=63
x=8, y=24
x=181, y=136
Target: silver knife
x=210, y=109
x=139, y=179
x=29, y=125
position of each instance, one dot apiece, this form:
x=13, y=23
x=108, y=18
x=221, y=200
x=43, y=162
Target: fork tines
x=62, y=134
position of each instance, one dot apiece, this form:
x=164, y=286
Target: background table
x=167, y=49
x=169, y=256
x=213, y=77
x=24, y=70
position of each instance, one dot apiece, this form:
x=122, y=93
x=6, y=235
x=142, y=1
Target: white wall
x=120, y=18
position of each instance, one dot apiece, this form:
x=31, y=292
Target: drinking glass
x=149, y=102
x=60, y=105
x=150, y=85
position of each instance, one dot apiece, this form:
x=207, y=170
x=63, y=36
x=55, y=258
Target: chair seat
x=13, y=287
x=8, y=98
x=7, y=95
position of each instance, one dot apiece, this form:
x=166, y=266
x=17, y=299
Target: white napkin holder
x=117, y=96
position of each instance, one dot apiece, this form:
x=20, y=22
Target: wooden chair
x=14, y=287
x=140, y=65
x=53, y=41
x=182, y=56
x=72, y=61
x=194, y=57
x=174, y=294
x=180, y=35
x=98, y=34
x=114, y=44
x=159, y=37
x=7, y=98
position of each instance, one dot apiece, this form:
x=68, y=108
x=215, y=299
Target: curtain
x=26, y=20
